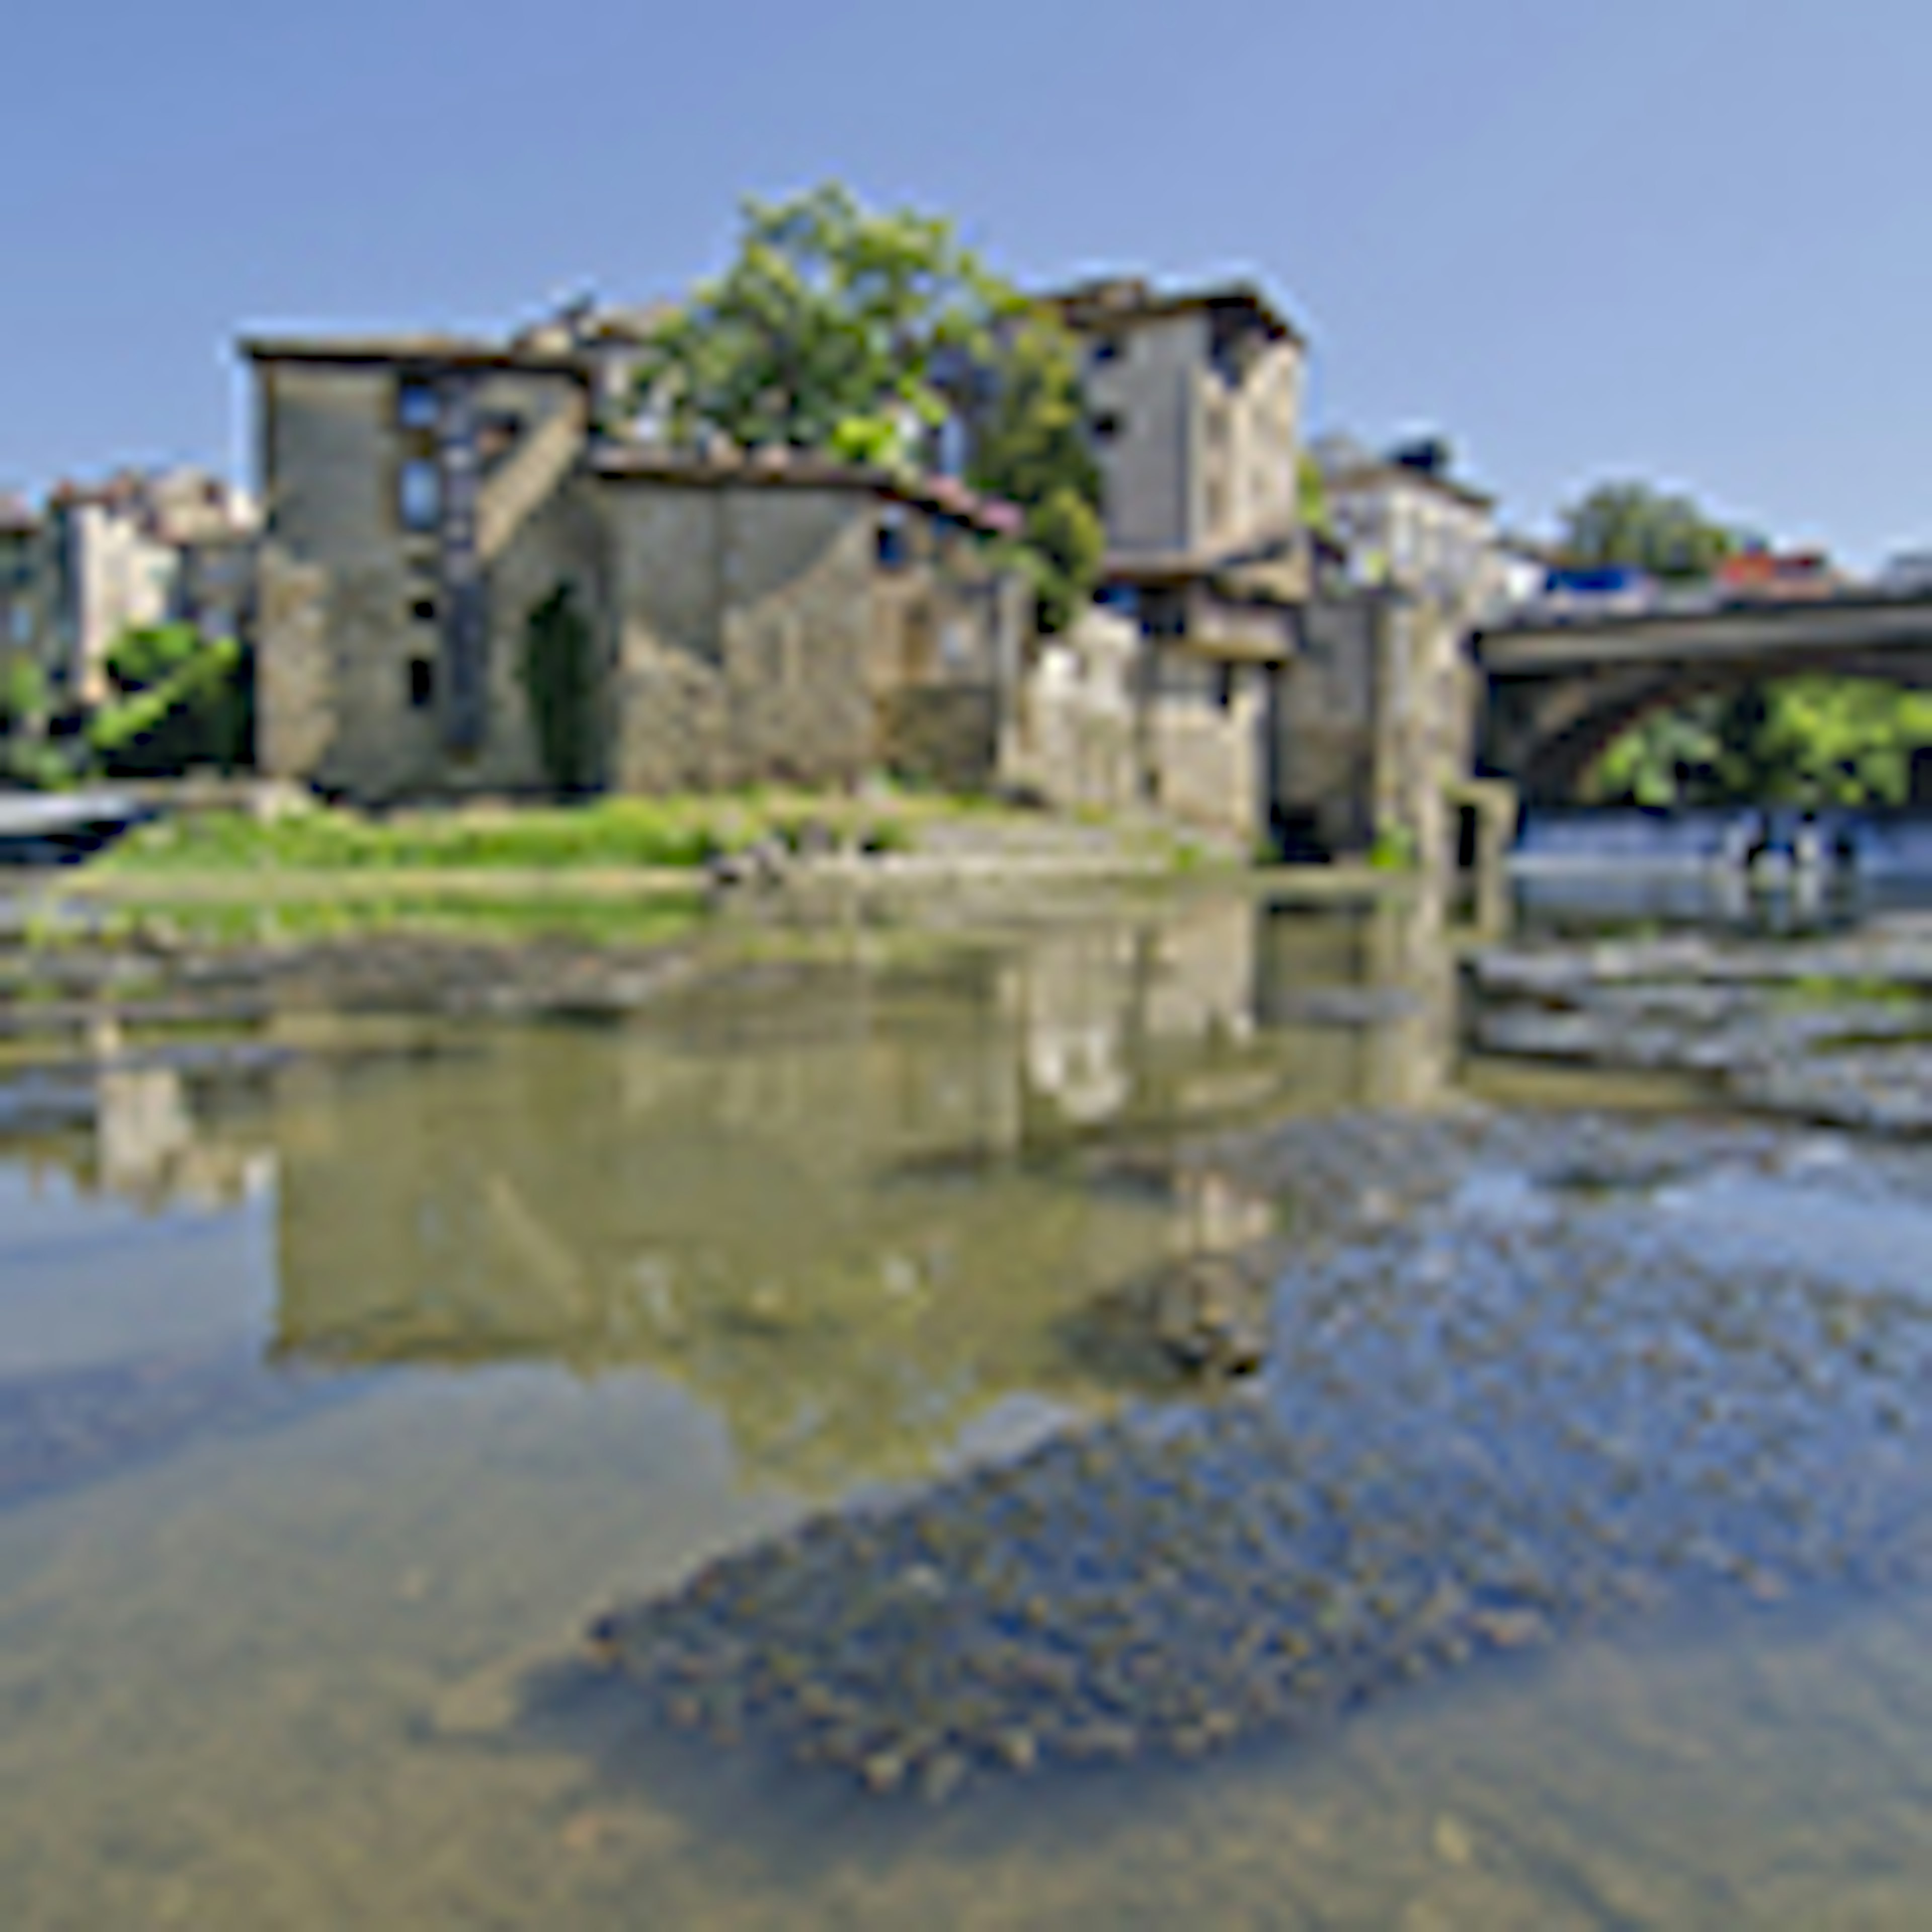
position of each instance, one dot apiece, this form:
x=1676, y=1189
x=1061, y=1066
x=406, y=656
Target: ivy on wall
x=560, y=676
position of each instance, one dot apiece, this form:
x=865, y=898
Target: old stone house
x=1194, y=398
x=768, y=617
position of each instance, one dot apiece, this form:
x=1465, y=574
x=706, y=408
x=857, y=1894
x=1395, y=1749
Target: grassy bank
x=674, y=834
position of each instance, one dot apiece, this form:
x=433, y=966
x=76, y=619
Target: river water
x=338, y=1392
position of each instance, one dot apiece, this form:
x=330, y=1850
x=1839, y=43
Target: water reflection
x=844, y=1195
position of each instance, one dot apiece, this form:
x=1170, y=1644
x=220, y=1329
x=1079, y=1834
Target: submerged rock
x=1494, y=1413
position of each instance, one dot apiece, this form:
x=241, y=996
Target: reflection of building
x=836, y=1208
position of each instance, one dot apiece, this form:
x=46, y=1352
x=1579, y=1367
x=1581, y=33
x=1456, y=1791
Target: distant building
x=757, y=617
x=26, y=585
x=1407, y=521
x=135, y=550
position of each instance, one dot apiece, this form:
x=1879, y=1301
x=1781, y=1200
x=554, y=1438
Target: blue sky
x=1689, y=240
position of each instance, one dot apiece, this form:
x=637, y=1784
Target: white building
x=1405, y=520
x=126, y=554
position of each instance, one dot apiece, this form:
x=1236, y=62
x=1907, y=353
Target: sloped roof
x=800, y=469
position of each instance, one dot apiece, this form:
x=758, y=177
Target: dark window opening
x=1108, y=349
x=1162, y=615
x=415, y=403
x=1107, y=425
x=1224, y=687
x=419, y=495
x=422, y=683
x=423, y=610
x=895, y=544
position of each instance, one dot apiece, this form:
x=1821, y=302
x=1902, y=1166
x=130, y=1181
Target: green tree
x=181, y=699
x=1799, y=741
x=1311, y=495
x=560, y=675
x=1668, y=536
x=830, y=331
x=1029, y=445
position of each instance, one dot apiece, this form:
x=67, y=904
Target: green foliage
x=671, y=832
x=1668, y=536
x=140, y=660
x=1799, y=741
x=829, y=331
x=560, y=680
x=1394, y=850
x=1311, y=493
x=1066, y=542
x=1031, y=447
x=23, y=697
x=184, y=700
x=854, y=333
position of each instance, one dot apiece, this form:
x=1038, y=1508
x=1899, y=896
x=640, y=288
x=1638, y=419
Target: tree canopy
x=180, y=700
x=1029, y=446
x=833, y=329
x=1800, y=741
x=1670, y=536
x=858, y=334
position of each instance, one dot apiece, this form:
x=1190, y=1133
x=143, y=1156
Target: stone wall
x=944, y=735
x=332, y=455
x=1076, y=740
x=745, y=634
x=1375, y=724
x=1204, y=757
x=295, y=681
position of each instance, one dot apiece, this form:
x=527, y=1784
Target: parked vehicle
x=1907, y=575
x=1599, y=590
x=1755, y=574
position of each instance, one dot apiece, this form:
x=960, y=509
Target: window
x=1107, y=425
x=1107, y=349
x=415, y=403
x=895, y=548
x=1224, y=687
x=418, y=495
x=423, y=610
x=422, y=683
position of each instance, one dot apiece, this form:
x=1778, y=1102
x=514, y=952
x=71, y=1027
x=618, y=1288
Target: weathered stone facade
x=749, y=622
x=1373, y=725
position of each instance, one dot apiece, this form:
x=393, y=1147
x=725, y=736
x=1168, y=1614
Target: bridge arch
x=1554, y=697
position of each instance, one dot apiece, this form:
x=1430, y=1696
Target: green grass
x=674, y=833
x=1824, y=989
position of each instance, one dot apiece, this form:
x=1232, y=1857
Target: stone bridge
x=1555, y=693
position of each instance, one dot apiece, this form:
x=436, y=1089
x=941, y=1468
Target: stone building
x=759, y=618
x=26, y=586
x=135, y=550
x=1407, y=521
x=1194, y=401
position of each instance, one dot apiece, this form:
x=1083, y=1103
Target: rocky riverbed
x=1836, y=1029
x=1527, y=1373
